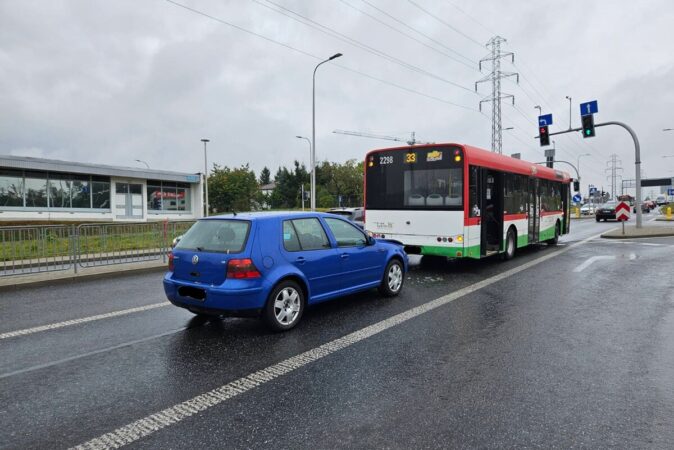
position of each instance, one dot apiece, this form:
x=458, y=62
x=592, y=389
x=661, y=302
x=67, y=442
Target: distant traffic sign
x=589, y=108
x=670, y=191
x=577, y=198
x=545, y=120
x=593, y=190
x=622, y=211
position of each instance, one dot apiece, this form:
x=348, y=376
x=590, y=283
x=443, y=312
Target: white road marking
x=651, y=244
x=146, y=426
x=591, y=260
x=632, y=256
x=95, y=352
x=67, y=323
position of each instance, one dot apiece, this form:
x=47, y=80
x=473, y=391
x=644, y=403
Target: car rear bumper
x=234, y=302
x=606, y=216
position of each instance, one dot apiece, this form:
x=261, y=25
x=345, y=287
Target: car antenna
x=233, y=212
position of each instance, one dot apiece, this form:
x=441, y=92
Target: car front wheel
x=285, y=306
x=393, y=280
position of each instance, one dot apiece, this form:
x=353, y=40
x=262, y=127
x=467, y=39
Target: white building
x=43, y=189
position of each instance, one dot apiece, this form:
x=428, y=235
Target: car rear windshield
x=219, y=236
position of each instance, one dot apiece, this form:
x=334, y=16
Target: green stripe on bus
x=452, y=252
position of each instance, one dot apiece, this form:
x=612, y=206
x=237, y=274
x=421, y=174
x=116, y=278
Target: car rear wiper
x=199, y=249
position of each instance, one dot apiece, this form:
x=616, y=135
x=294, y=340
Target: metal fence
x=35, y=249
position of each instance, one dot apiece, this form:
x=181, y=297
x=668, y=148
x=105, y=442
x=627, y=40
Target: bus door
x=492, y=212
x=534, y=211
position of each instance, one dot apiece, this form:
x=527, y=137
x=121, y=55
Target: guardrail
x=46, y=248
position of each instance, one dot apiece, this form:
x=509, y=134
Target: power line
x=448, y=25
x=490, y=32
x=344, y=38
x=415, y=30
x=316, y=57
x=470, y=66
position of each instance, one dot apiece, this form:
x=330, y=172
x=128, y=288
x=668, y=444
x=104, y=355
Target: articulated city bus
x=457, y=201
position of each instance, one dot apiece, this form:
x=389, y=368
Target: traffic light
x=588, y=125
x=544, y=134
x=576, y=186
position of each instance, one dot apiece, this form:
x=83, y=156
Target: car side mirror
x=370, y=240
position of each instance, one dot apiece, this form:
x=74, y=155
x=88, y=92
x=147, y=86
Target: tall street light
x=206, y=141
x=146, y=164
x=578, y=163
x=540, y=110
x=569, y=99
x=313, y=131
x=311, y=169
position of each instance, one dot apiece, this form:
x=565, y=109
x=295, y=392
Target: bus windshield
x=424, y=178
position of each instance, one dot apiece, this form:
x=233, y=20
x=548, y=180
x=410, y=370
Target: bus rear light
x=459, y=238
x=449, y=239
x=457, y=158
x=242, y=269
x=439, y=239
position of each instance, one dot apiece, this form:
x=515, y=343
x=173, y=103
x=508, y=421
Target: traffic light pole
x=637, y=159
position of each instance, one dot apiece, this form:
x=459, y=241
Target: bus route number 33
x=411, y=158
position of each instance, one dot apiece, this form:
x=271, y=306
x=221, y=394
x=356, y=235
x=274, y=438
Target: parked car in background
x=273, y=265
x=587, y=209
x=355, y=215
x=660, y=200
x=606, y=211
x=651, y=204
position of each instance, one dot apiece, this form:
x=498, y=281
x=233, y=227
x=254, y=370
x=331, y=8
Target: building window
x=11, y=188
x=36, y=189
x=80, y=192
x=59, y=191
x=100, y=192
x=168, y=196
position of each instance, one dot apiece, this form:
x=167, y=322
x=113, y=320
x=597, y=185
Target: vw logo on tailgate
x=195, y=259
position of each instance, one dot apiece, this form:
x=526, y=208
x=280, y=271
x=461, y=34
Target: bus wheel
x=510, y=245
x=555, y=239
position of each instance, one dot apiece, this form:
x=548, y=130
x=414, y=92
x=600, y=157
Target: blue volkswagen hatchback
x=272, y=265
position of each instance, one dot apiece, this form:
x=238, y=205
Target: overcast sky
x=113, y=81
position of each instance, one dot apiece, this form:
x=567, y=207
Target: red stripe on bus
x=471, y=221
x=514, y=216
x=550, y=213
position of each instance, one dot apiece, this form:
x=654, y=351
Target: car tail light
x=242, y=269
x=170, y=262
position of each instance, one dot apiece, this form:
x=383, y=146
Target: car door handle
x=344, y=255
x=301, y=260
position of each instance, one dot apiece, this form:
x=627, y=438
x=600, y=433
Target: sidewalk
x=45, y=278
x=648, y=230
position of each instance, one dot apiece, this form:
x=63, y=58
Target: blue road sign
x=192, y=178
x=545, y=120
x=577, y=198
x=593, y=190
x=589, y=108
x=670, y=191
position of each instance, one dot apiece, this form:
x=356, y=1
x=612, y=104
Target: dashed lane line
x=146, y=426
x=68, y=323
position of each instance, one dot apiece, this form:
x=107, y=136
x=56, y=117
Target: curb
x=637, y=236
x=51, y=278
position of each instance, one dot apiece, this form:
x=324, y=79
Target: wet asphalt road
x=546, y=357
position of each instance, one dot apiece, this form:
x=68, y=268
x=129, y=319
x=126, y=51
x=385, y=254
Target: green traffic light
x=587, y=132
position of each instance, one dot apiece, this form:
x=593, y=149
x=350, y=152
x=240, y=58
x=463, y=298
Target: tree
x=265, y=176
x=232, y=189
x=288, y=186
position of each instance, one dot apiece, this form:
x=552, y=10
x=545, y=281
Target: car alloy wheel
x=395, y=278
x=287, y=305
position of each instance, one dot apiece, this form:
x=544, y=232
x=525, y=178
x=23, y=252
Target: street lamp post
x=578, y=163
x=540, y=110
x=311, y=169
x=569, y=98
x=140, y=161
x=313, y=130
x=206, y=141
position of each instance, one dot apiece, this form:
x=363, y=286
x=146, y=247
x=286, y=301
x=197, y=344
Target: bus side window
x=472, y=192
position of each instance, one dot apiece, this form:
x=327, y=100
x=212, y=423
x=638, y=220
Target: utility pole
x=206, y=206
x=614, y=166
x=495, y=77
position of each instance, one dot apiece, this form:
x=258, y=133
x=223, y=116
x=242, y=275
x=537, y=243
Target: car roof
x=268, y=215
